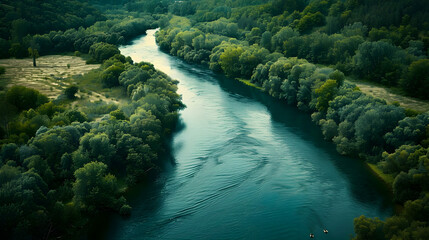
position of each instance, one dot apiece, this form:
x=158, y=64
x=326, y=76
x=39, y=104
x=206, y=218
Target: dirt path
x=383, y=93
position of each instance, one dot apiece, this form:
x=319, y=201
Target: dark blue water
x=245, y=167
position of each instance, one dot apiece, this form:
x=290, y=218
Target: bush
x=125, y=210
x=70, y=91
x=25, y=98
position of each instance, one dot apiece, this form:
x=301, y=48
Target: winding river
x=244, y=166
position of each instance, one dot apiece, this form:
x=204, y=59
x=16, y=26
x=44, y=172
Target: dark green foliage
x=379, y=61
x=125, y=210
x=102, y=51
x=29, y=17
x=71, y=162
x=25, y=98
x=2, y=70
x=417, y=81
x=182, y=8
x=4, y=48
x=18, y=50
x=110, y=75
x=94, y=188
x=309, y=21
x=367, y=228
x=70, y=91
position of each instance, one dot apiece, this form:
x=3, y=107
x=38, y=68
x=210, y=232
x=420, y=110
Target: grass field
x=386, y=94
x=53, y=74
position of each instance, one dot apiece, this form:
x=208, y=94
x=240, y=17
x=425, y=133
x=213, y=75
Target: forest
x=298, y=51
x=59, y=166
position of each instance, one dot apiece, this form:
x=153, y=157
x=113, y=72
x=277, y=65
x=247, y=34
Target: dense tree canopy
x=69, y=168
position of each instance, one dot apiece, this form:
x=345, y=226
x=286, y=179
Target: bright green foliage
x=229, y=60
x=97, y=147
x=326, y=93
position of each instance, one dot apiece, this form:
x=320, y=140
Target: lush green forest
x=71, y=168
x=296, y=50
x=62, y=165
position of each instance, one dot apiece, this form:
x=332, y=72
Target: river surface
x=244, y=166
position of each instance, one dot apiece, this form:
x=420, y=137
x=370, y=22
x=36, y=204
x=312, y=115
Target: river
x=244, y=166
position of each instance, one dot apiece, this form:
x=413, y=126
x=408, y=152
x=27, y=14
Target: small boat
x=325, y=231
x=311, y=235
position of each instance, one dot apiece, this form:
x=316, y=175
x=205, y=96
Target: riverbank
x=386, y=178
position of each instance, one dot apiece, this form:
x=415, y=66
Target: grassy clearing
x=387, y=178
x=51, y=76
x=56, y=72
x=391, y=96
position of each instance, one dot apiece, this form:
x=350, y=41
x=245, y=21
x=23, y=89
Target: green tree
x=118, y=114
x=95, y=188
x=309, y=21
x=24, y=98
x=266, y=40
x=229, y=60
x=416, y=82
x=102, y=51
x=19, y=29
x=110, y=76
x=33, y=52
x=367, y=228
x=326, y=93
x=70, y=91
